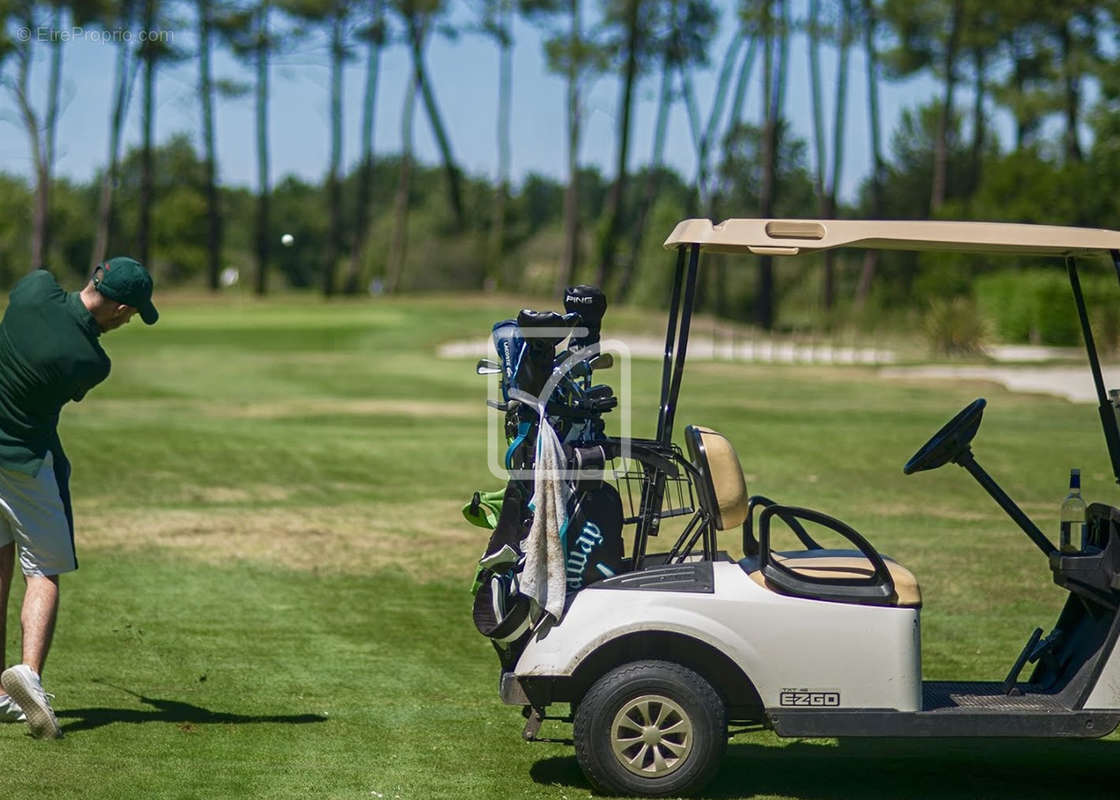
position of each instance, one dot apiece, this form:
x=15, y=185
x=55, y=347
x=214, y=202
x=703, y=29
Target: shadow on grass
x=913, y=769
x=172, y=711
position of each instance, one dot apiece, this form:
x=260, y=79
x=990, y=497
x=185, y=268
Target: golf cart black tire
x=595, y=714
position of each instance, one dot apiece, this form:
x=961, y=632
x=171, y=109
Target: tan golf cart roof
x=788, y=237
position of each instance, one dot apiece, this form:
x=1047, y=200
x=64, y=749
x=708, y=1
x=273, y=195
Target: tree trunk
x=692, y=108
x=399, y=246
x=815, y=97
x=54, y=82
x=1019, y=81
x=818, y=138
x=941, y=142
x=416, y=39
x=206, y=94
x=501, y=191
x=30, y=120
x=264, y=190
x=733, y=120
x=702, y=194
x=1071, y=80
x=742, y=83
x=783, y=61
x=334, y=186
x=871, y=257
x=839, y=119
x=609, y=241
x=122, y=90
x=764, y=291
x=362, y=215
x=571, y=195
x=147, y=124
x=653, y=177
x=978, y=124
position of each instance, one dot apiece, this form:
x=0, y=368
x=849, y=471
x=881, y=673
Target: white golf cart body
x=798, y=653
x=807, y=666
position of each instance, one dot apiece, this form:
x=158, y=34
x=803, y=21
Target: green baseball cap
x=126, y=281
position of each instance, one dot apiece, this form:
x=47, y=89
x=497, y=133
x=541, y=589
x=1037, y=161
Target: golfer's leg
x=7, y=558
x=40, y=609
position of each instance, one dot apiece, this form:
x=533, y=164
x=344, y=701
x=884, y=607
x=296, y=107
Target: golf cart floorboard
x=955, y=709
x=947, y=697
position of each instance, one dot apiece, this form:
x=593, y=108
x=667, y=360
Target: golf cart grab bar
x=750, y=544
x=876, y=589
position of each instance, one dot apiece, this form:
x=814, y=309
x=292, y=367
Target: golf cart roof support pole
x=1107, y=412
x=1006, y=503
x=669, y=410
x=652, y=489
x=670, y=337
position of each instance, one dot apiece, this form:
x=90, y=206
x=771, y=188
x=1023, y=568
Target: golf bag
x=593, y=548
x=500, y=611
x=591, y=541
x=594, y=537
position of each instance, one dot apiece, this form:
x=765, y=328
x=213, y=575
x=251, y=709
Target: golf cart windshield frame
x=785, y=237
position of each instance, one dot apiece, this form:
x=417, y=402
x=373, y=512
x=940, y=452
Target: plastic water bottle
x=1072, y=516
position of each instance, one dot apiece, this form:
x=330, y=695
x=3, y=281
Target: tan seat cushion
x=728, y=483
x=846, y=564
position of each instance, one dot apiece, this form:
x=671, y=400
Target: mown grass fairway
x=273, y=594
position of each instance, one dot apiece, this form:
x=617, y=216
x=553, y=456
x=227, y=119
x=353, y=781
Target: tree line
x=392, y=223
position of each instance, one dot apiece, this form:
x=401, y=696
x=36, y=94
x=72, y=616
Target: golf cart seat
x=832, y=565
x=859, y=575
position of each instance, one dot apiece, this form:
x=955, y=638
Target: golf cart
x=657, y=659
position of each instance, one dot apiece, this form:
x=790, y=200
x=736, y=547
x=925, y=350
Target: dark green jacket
x=49, y=355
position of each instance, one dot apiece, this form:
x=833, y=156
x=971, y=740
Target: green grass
x=272, y=601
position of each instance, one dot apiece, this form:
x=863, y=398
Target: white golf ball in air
x=229, y=276
x=287, y=240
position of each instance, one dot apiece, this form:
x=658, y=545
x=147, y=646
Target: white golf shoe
x=25, y=688
x=10, y=710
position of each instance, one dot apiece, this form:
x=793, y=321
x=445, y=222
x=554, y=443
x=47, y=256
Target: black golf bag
x=593, y=550
x=592, y=537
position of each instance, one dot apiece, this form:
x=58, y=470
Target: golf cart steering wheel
x=950, y=442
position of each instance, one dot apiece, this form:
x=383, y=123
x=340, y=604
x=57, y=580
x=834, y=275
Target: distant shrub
x=955, y=327
x=1001, y=301
x=1032, y=306
x=1105, y=319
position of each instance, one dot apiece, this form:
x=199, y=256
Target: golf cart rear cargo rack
x=633, y=480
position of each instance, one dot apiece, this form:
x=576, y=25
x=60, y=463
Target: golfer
x=49, y=355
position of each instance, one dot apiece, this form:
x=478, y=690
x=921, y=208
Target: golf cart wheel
x=651, y=728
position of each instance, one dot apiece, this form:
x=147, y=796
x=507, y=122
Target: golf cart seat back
x=722, y=489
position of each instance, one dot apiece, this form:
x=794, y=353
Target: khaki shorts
x=32, y=515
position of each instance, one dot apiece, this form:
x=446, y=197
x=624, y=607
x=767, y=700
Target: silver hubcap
x=651, y=736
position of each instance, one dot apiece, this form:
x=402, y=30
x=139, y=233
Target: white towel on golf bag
x=543, y=577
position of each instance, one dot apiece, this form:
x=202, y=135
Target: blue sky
x=464, y=72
